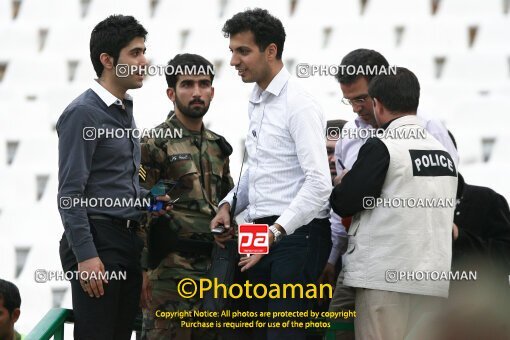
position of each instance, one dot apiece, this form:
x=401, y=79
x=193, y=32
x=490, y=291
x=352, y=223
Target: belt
x=121, y=222
x=184, y=245
x=266, y=220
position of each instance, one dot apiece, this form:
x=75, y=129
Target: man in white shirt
x=287, y=182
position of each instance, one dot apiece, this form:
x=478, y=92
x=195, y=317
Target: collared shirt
x=108, y=98
x=95, y=167
x=346, y=153
x=288, y=173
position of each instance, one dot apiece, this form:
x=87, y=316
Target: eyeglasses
x=357, y=101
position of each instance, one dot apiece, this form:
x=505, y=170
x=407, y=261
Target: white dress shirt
x=347, y=149
x=105, y=95
x=288, y=173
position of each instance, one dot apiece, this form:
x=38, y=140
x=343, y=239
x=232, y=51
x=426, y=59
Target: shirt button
x=457, y=213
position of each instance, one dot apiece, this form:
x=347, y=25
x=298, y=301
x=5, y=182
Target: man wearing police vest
x=401, y=194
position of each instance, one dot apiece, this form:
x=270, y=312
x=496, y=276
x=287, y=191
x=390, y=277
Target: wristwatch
x=277, y=234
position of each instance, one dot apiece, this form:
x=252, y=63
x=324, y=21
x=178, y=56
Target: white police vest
x=405, y=244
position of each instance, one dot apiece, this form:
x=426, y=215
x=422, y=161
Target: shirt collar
x=361, y=124
x=275, y=87
x=105, y=95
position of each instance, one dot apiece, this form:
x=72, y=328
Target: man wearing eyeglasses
x=355, y=93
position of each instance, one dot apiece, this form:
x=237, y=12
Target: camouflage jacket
x=201, y=165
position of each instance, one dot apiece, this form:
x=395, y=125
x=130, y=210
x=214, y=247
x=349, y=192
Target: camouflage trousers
x=165, y=298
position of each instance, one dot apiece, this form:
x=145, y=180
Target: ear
x=377, y=106
x=212, y=93
x=15, y=315
x=271, y=51
x=107, y=61
x=170, y=92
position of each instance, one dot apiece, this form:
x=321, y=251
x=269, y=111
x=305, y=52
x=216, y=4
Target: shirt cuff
x=226, y=200
x=85, y=251
x=287, y=223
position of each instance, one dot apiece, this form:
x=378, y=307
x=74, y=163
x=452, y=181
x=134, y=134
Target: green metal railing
x=52, y=325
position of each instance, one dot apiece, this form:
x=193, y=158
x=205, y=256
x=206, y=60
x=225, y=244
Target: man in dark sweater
x=98, y=192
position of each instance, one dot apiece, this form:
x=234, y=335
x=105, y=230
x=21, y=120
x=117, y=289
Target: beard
x=192, y=112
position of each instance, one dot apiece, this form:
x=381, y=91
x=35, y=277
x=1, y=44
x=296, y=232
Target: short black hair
x=266, y=28
x=335, y=123
x=453, y=139
x=187, y=62
x=9, y=294
x=360, y=57
x=111, y=35
x=398, y=91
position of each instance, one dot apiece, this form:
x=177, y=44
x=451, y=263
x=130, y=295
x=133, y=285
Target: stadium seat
x=42, y=13
x=500, y=151
x=470, y=9
x=325, y=12
x=491, y=33
x=5, y=12
x=399, y=10
x=436, y=37
x=99, y=10
x=7, y=258
x=22, y=41
x=481, y=69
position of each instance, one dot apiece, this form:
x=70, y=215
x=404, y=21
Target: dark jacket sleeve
x=365, y=179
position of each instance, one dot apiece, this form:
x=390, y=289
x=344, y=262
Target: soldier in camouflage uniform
x=198, y=159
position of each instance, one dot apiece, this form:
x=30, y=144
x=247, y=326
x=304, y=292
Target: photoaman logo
x=253, y=239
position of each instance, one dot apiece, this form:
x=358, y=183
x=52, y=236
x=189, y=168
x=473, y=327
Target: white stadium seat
x=7, y=257
x=491, y=33
x=5, y=12
x=399, y=10
x=471, y=9
x=43, y=13
x=99, y=10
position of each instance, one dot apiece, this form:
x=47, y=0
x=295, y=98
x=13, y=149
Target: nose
x=234, y=60
x=356, y=108
x=143, y=60
x=196, y=91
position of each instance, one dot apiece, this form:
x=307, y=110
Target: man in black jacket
x=481, y=229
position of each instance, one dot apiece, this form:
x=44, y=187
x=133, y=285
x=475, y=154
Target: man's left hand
x=166, y=209
x=247, y=262
x=327, y=277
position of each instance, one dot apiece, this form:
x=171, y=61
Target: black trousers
x=112, y=315
x=297, y=258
